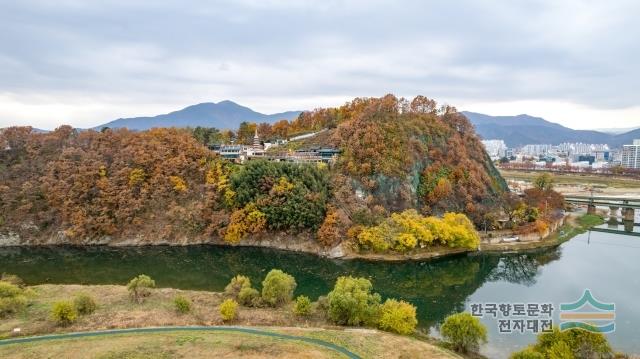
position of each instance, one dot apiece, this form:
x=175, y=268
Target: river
x=605, y=263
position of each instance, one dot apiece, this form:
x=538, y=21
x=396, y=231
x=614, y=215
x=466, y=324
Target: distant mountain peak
x=525, y=129
x=225, y=114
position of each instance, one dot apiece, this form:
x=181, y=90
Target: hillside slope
x=162, y=186
x=409, y=154
x=222, y=115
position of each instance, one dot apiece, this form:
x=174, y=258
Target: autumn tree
x=292, y=196
x=246, y=132
x=543, y=182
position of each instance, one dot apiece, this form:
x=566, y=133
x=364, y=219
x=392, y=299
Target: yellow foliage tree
x=283, y=186
x=373, y=238
x=404, y=231
x=136, y=176
x=178, y=183
x=245, y=221
x=217, y=176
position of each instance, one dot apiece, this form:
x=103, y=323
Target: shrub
x=561, y=350
x=8, y=290
x=84, y=304
x=182, y=304
x=12, y=299
x=577, y=343
x=278, y=287
x=406, y=230
x=12, y=279
x=373, y=238
x=464, y=332
x=302, y=306
x=229, y=310
x=398, y=317
x=322, y=303
x=528, y=353
x=352, y=303
x=236, y=284
x=64, y=313
x=248, y=296
x=140, y=287
x=12, y=305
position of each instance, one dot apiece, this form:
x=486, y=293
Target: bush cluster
x=302, y=306
x=464, y=332
x=571, y=343
x=351, y=302
x=236, y=284
x=12, y=299
x=249, y=297
x=228, y=310
x=182, y=304
x=84, y=304
x=277, y=288
x=406, y=230
x=140, y=287
x=398, y=317
x=64, y=313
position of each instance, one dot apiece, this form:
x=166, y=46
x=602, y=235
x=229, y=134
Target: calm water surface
x=605, y=263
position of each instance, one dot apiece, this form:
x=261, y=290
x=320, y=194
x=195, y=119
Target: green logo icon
x=588, y=313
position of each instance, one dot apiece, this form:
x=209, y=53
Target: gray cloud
x=123, y=53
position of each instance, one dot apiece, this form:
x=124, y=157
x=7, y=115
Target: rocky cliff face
x=296, y=243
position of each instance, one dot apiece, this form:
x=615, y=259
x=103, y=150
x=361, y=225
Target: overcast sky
x=83, y=62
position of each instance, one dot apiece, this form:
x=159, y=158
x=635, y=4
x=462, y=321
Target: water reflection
x=523, y=268
x=437, y=288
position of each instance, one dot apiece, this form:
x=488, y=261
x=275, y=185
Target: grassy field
x=169, y=345
x=116, y=310
x=202, y=344
x=573, y=179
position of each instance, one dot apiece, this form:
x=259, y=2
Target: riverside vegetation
x=351, y=302
x=411, y=175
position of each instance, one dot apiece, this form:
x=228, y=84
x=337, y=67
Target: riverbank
x=572, y=225
x=559, y=231
x=115, y=310
x=580, y=184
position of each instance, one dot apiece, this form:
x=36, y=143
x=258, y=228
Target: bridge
x=628, y=205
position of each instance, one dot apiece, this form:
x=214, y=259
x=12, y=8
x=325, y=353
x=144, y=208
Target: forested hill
x=410, y=153
x=515, y=130
x=221, y=115
x=69, y=186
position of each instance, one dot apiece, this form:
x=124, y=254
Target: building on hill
x=243, y=153
x=631, y=155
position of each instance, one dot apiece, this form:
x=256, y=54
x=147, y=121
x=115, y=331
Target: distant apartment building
x=631, y=155
x=495, y=148
x=536, y=150
x=579, y=148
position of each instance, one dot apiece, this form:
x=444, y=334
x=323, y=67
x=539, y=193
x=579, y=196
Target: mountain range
x=221, y=115
x=524, y=129
x=514, y=130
